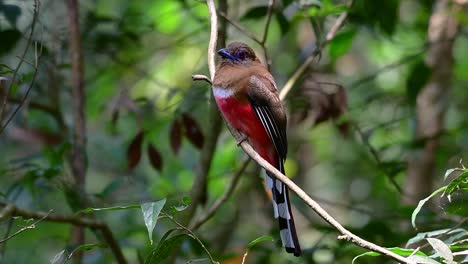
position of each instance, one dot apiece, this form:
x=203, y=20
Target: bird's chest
x=240, y=114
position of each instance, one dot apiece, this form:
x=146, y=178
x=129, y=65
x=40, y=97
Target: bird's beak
x=226, y=54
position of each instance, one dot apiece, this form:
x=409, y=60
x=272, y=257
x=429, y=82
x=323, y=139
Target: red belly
x=242, y=117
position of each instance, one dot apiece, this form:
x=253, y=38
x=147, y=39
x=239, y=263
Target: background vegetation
x=98, y=110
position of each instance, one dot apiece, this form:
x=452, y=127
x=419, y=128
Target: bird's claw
x=241, y=139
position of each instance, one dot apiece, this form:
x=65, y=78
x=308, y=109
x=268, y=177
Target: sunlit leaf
x=341, y=43
x=186, y=202
x=59, y=258
x=86, y=247
x=400, y=251
x=151, y=212
x=155, y=157
x=260, y=240
x=440, y=247
x=134, y=150
x=424, y=235
x=421, y=204
x=423, y=260
x=456, y=183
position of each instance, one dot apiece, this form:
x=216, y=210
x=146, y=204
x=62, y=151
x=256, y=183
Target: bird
x=247, y=97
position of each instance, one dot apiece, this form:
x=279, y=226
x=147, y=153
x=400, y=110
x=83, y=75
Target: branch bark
x=78, y=157
x=217, y=40
x=431, y=102
x=13, y=211
x=15, y=73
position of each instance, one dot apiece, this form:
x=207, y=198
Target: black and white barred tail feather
x=282, y=211
x=274, y=123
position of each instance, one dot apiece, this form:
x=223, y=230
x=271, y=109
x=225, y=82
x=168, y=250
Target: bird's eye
x=241, y=54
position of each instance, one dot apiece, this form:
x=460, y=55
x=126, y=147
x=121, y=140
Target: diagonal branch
x=346, y=234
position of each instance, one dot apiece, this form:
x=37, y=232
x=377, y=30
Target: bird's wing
x=264, y=99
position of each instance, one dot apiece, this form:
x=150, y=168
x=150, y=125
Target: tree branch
x=200, y=186
x=346, y=234
x=15, y=73
x=298, y=73
x=232, y=185
x=73, y=220
x=78, y=153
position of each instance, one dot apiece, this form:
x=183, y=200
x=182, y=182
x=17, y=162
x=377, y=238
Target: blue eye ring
x=241, y=54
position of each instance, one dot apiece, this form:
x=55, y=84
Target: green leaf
x=283, y=23
x=448, y=172
x=11, y=12
x=421, y=204
x=186, y=202
x=86, y=247
x=259, y=240
x=151, y=212
x=440, y=247
x=423, y=260
x=9, y=38
x=113, y=208
x=325, y=8
x=418, y=76
x=400, y=251
x=165, y=248
x=341, y=43
x=59, y=258
x=257, y=12
x=423, y=235
x=378, y=14
x=456, y=183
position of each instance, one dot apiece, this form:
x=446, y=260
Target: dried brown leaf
x=134, y=150
x=193, y=131
x=155, y=157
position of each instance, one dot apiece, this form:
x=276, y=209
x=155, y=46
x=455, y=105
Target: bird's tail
x=282, y=211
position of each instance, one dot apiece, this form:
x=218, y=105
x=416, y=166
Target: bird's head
x=237, y=53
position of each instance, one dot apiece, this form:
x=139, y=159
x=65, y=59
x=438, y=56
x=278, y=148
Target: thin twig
x=377, y=159
x=31, y=226
x=298, y=73
x=192, y=234
x=213, y=37
x=200, y=77
x=73, y=220
x=214, y=208
x=15, y=73
x=240, y=28
x=21, y=103
x=271, y=5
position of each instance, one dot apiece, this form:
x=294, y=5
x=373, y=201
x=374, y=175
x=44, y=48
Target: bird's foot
x=241, y=139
